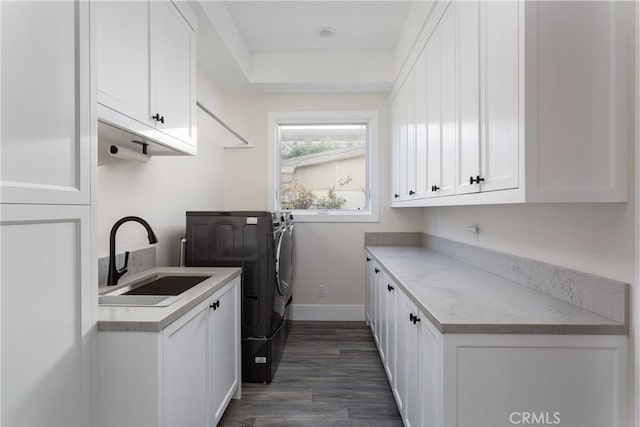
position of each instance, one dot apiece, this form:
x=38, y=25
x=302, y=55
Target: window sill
x=334, y=217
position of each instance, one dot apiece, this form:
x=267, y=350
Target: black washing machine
x=261, y=243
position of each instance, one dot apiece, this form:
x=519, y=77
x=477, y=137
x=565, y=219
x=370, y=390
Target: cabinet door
x=395, y=148
x=376, y=301
x=379, y=310
x=448, y=105
x=430, y=362
x=382, y=333
x=368, y=282
x=391, y=335
x=412, y=401
x=410, y=162
x=47, y=316
x=500, y=83
x=433, y=111
x=123, y=56
x=400, y=328
x=403, y=190
x=184, y=369
x=224, y=347
x=173, y=78
x=422, y=188
x=45, y=102
x=468, y=71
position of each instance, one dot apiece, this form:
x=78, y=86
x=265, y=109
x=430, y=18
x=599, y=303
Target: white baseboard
x=336, y=312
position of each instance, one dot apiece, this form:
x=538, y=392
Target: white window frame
x=275, y=118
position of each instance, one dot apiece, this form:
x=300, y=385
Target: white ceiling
x=275, y=26
x=273, y=46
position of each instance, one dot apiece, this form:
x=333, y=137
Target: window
x=321, y=165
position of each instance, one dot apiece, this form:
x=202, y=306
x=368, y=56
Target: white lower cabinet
x=47, y=320
x=184, y=375
x=390, y=341
x=398, y=384
x=498, y=379
x=430, y=374
x=409, y=322
x=373, y=276
x=224, y=346
x=368, y=294
x=184, y=367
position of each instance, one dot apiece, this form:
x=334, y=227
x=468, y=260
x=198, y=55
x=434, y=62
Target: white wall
x=328, y=254
x=162, y=189
x=593, y=238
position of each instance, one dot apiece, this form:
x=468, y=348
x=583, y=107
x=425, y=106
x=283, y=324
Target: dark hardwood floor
x=330, y=375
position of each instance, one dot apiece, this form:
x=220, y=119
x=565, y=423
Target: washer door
x=284, y=262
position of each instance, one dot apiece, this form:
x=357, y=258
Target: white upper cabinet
x=441, y=107
x=448, y=106
x=410, y=163
x=468, y=96
x=174, y=75
x=421, y=124
x=146, y=71
x=403, y=159
x=582, y=103
x=434, y=112
x=526, y=102
x=395, y=148
x=45, y=88
x=123, y=58
x=500, y=99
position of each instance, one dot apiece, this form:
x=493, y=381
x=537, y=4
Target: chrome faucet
x=114, y=272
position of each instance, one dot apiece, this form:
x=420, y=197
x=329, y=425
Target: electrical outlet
x=474, y=229
x=322, y=291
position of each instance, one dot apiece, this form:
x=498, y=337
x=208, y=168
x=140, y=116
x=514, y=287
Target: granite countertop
x=460, y=298
x=154, y=319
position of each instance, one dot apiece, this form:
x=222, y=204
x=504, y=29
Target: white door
x=224, y=347
x=46, y=315
x=410, y=162
x=403, y=191
x=379, y=309
x=375, y=309
x=421, y=161
x=184, y=370
x=173, y=78
x=468, y=72
x=401, y=326
x=499, y=99
x=448, y=106
x=368, y=283
x=412, y=401
x=123, y=57
x=45, y=88
x=430, y=366
x=434, y=141
x=391, y=334
x=395, y=148
x=384, y=320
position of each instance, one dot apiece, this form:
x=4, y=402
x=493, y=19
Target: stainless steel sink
x=159, y=290
x=166, y=285
x=137, y=300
